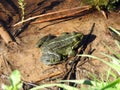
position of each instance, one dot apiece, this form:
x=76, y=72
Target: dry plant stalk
x=62, y=14
x=49, y=76
x=5, y=35
x=57, y=14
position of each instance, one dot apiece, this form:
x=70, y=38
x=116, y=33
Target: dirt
x=26, y=56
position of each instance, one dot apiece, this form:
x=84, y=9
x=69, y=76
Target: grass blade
x=66, y=87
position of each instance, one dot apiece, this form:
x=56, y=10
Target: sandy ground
x=25, y=56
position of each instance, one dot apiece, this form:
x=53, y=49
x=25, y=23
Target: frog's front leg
x=51, y=58
x=70, y=52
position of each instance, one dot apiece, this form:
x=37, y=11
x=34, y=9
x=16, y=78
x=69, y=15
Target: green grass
x=15, y=81
x=22, y=7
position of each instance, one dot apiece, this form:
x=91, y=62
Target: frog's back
x=61, y=41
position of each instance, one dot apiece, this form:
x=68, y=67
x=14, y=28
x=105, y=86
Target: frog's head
x=78, y=35
x=77, y=39
x=50, y=59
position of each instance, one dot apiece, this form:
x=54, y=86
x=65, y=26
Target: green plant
x=65, y=87
x=115, y=33
x=15, y=81
x=113, y=4
x=22, y=7
x=102, y=4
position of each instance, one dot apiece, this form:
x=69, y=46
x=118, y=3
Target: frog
x=56, y=49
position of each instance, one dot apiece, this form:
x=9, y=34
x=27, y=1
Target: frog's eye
x=64, y=33
x=73, y=33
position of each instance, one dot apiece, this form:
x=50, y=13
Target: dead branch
x=57, y=14
x=5, y=35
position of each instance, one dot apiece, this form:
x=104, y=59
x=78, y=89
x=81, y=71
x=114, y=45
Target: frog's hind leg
x=51, y=58
x=44, y=39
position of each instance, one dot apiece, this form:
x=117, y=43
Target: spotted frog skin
x=57, y=49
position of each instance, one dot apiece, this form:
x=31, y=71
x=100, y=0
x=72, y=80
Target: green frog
x=56, y=49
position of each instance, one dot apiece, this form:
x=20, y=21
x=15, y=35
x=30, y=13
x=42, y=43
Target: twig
x=57, y=14
x=49, y=76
